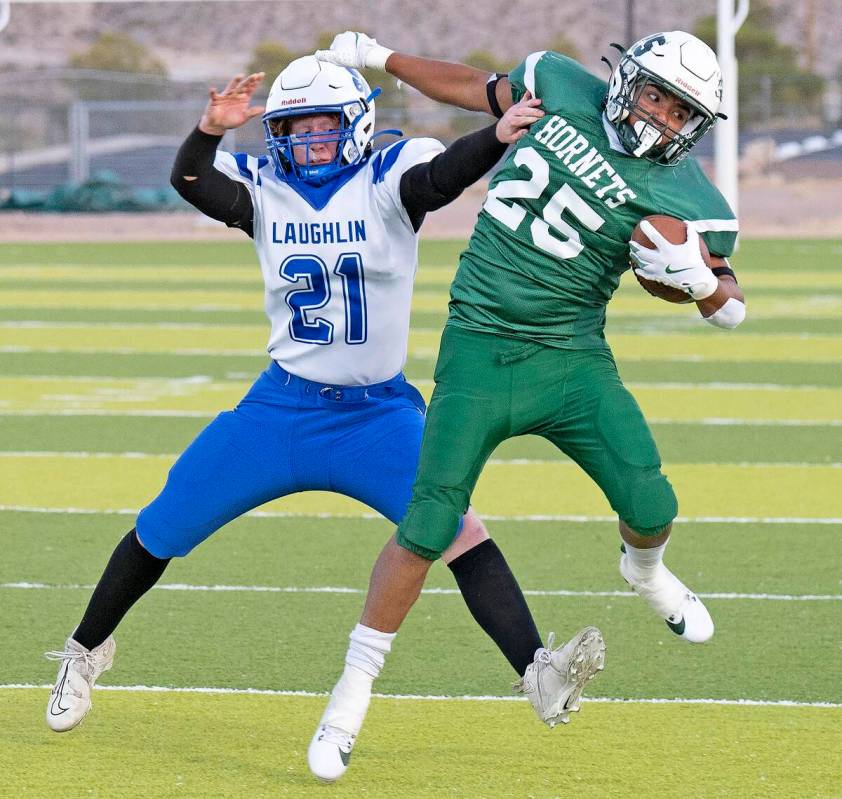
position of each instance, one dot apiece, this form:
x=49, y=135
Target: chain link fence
x=68, y=127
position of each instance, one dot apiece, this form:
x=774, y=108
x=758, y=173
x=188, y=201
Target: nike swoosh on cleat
x=676, y=626
x=56, y=703
x=676, y=271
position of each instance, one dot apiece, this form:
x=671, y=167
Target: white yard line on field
x=266, y=514
x=329, y=589
x=436, y=698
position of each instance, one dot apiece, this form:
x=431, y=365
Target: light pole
x=728, y=22
x=630, y=37
x=5, y=13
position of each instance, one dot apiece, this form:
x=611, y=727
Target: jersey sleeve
x=720, y=235
x=241, y=167
x=388, y=166
x=547, y=74
x=523, y=77
x=699, y=203
x=244, y=169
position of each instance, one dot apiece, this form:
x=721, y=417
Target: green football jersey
x=552, y=238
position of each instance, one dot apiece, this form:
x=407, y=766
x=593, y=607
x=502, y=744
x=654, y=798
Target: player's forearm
x=466, y=161
x=196, y=179
x=455, y=84
x=430, y=186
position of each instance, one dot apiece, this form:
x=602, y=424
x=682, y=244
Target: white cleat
x=683, y=612
x=554, y=681
x=330, y=752
x=70, y=699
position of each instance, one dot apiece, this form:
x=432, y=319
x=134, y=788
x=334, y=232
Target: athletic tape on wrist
x=377, y=56
x=729, y=315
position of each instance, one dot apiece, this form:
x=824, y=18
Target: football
x=675, y=231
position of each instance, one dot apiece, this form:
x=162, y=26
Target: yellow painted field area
x=626, y=303
x=131, y=273
x=427, y=275
x=152, y=338
x=258, y=744
x=676, y=402
x=505, y=489
x=422, y=343
x=216, y=299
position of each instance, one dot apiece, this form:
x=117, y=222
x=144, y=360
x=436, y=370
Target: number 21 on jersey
x=304, y=325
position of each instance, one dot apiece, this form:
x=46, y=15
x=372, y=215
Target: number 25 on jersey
x=564, y=199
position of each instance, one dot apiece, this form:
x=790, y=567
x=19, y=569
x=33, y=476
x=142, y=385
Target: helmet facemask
x=307, y=87
x=352, y=143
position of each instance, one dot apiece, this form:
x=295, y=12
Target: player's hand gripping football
x=355, y=50
x=514, y=124
x=678, y=265
x=230, y=108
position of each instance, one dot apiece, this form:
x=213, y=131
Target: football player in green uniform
x=524, y=350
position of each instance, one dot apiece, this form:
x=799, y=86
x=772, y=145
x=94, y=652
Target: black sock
x=130, y=573
x=496, y=602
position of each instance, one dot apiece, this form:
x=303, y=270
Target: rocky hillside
x=201, y=39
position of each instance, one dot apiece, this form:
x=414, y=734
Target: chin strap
x=375, y=92
x=389, y=132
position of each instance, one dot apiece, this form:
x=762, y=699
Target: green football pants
x=490, y=388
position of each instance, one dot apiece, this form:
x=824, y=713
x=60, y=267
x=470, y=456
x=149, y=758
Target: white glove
x=355, y=50
x=678, y=265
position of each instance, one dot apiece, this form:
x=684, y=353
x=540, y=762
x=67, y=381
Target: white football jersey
x=338, y=265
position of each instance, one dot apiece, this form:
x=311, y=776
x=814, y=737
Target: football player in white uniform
x=335, y=226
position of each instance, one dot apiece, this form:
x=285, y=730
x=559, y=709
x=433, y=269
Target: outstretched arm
x=455, y=84
x=193, y=174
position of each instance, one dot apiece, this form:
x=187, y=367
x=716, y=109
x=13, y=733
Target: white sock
x=368, y=649
x=644, y=562
x=351, y=695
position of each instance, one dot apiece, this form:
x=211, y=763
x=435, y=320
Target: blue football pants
x=288, y=435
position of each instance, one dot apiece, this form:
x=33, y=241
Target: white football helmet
x=308, y=86
x=679, y=63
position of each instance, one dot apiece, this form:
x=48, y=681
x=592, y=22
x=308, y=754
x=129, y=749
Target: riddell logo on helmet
x=690, y=88
x=296, y=101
